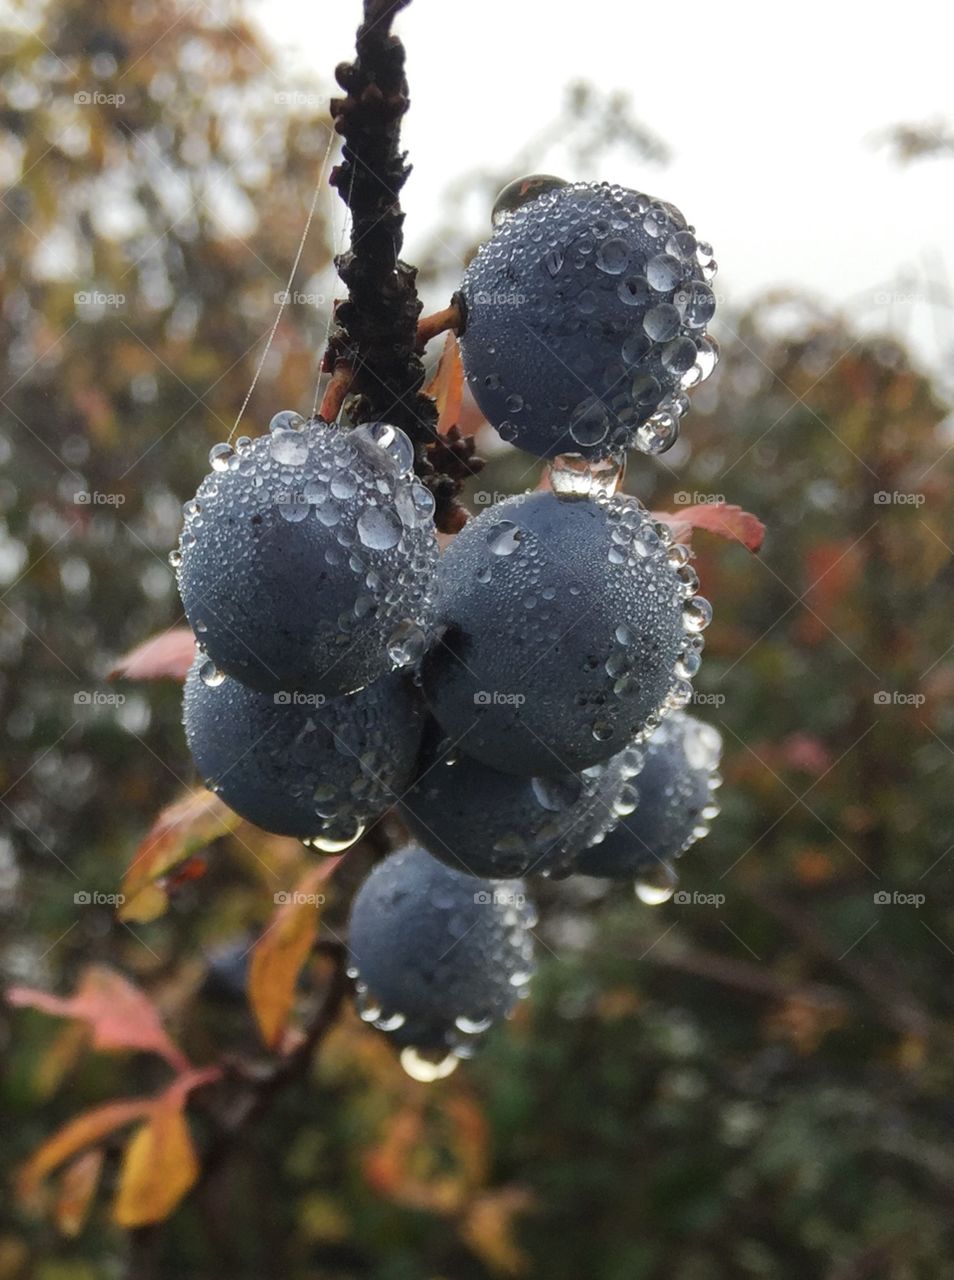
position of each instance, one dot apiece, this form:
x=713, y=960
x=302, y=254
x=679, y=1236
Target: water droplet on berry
x=289, y=448
x=378, y=528
x=662, y=322
x=504, y=538
x=210, y=675
x=520, y=192
x=696, y=614
x=220, y=456
x=287, y=420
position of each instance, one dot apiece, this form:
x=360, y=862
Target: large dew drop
x=423, y=1069
x=573, y=476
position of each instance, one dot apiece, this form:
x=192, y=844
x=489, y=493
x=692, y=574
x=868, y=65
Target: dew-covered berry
x=567, y=628
x=586, y=317
x=301, y=764
x=675, y=804
x=438, y=956
x=498, y=825
x=308, y=555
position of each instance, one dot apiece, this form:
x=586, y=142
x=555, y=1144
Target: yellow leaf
x=77, y=1188
x=86, y=1130
x=190, y=823
x=159, y=1166
x=280, y=955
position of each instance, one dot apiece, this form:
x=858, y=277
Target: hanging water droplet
x=573, y=476
x=390, y=1022
x=425, y=1069
x=406, y=644
x=472, y=1026
x=656, y=885
x=175, y=558
x=658, y=434
x=325, y=843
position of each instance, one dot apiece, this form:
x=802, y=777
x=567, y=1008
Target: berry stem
x=451, y=318
x=341, y=383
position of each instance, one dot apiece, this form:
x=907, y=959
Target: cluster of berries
x=519, y=699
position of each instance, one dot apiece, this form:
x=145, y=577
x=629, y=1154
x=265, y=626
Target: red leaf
x=723, y=518
x=165, y=657
x=120, y=1015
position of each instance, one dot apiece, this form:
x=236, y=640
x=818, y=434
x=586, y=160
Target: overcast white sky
x=770, y=114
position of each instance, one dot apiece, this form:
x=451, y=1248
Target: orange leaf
x=280, y=954
x=447, y=385
x=82, y=1132
x=77, y=1188
x=723, y=518
x=159, y=1165
x=164, y=657
x=119, y=1014
x=186, y=825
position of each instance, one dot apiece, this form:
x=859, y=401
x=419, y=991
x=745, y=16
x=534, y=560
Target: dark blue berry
x=307, y=557
x=586, y=317
x=300, y=764
x=494, y=824
x=568, y=628
x=438, y=956
x=675, y=804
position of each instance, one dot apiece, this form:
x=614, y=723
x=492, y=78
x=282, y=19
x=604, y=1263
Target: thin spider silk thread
x=339, y=249
x=291, y=277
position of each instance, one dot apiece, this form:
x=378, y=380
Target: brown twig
x=376, y=333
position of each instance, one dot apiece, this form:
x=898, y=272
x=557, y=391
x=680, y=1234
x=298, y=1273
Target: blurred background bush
x=752, y=1080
